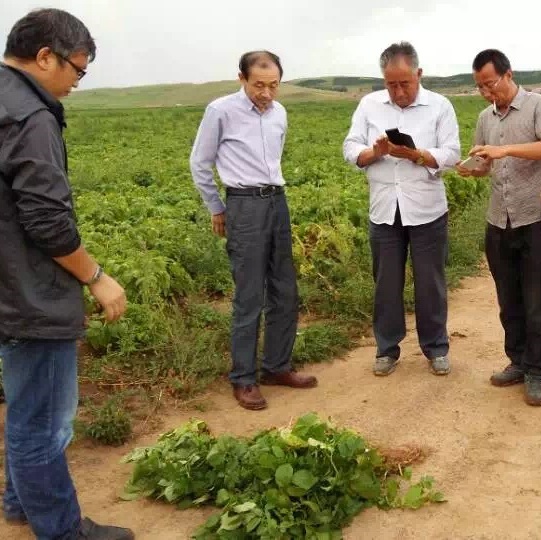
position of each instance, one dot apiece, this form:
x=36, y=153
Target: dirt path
x=485, y=442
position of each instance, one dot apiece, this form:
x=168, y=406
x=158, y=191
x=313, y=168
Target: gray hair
x=403, y=49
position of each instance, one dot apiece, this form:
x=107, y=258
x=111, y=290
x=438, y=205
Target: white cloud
x=165, y=41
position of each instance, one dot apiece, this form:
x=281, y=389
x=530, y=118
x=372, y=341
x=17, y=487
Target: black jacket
x=38, y=298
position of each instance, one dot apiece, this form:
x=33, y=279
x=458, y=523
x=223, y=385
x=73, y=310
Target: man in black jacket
x=43, y=267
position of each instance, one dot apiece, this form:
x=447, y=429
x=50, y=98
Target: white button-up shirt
x=243, y=143
x=418, y=190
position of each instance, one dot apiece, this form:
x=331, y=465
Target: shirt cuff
x=67, y=248
x=216, y=207
x=440, y=156
x=353, y=153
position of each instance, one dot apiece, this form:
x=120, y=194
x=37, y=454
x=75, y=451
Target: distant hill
x=459, y=83
x=312, y=89
x=185, y=94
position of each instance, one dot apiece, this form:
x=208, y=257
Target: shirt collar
x=56, y=108
x=249, y=104
x=517, y=102
x=420, y=99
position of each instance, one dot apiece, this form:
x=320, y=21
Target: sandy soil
x=484, y=442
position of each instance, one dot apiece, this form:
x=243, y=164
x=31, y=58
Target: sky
x=143, y=42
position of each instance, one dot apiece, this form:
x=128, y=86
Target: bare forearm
x=367, y=157
x=429, y=160
x=524, y=151
x=79, y=263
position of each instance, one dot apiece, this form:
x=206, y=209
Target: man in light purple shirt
x=408, y=206
x=243, y=135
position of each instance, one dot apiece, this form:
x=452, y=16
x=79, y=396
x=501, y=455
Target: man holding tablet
x=508, y=139
x=408, y=205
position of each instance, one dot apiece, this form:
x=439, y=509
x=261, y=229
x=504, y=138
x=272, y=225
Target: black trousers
x=428, y=244
x=514, y=259
x=259, y=246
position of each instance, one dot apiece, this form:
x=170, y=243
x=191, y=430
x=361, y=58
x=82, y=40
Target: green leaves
x=366, y=485
x=304, y=482
x=414, y=497
x=304, y=479
x=284, y=475
x=422, y=493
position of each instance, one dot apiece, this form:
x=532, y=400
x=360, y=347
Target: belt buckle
x=266, y=191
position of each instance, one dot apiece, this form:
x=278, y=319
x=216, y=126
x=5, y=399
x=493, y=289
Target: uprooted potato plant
x=304, y=481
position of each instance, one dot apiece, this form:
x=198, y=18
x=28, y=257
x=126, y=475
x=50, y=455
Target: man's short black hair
x=499, y=60
x=59, y=30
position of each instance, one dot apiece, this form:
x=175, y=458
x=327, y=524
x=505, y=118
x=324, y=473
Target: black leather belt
x=263, y=191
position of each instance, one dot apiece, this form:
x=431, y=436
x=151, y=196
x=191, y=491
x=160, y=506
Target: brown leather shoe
x=289, y=378
x=249, y=397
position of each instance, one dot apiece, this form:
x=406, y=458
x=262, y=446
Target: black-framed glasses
x=80, y=72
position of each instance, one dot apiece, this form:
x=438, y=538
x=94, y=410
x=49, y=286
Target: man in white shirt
x=408, y=205
x=243, y=135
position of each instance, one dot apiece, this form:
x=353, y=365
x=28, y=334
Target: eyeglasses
x=80, y=72
x=488, y=87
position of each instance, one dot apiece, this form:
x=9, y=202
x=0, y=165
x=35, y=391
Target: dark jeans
x=428, y=245
x=260, y=252
x=40, y=383
x=514, y=259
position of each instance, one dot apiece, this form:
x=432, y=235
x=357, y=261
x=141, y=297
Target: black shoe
x=512, y=374
x=92, y=531
x=532, y=389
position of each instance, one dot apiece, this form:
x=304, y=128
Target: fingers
x=462, y=171
x=381, y=146
x=122, y=304
x=399, y=151
x=218, y=228
x=113, y=312
x=475, y=150
x=218, y=224
x=110, y=314
x=116, y=309
x=110, y=296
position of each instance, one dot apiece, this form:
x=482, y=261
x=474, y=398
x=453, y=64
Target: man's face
x=493, y=86
x=402, y=82
x=60, y=75
x=262, y=84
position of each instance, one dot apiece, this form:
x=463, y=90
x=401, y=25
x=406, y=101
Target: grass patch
x=319, y=342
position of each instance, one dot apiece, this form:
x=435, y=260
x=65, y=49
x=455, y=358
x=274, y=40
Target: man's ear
x=44, y=57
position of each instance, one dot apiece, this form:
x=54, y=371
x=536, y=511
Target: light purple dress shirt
x=244, y=144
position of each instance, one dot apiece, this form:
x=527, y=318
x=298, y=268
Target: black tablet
x=401, y=139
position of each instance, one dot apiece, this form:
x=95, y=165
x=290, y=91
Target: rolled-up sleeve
x=447, y=149
x=34, y=160
x=357, y=138
x=203, y=159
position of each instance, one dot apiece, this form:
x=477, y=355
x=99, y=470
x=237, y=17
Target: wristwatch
x=421, y=159
x=96, y=277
